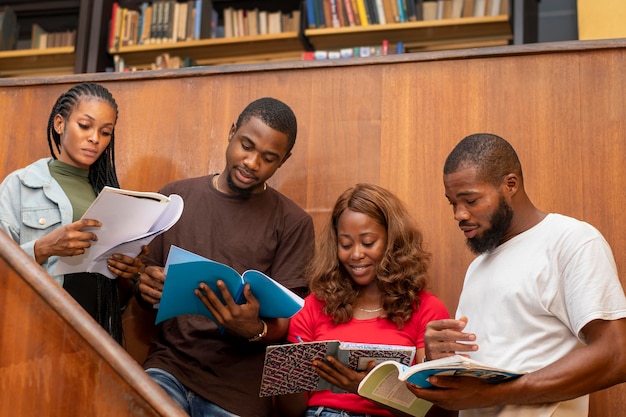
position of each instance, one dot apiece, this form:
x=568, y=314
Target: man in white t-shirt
x=543, y=296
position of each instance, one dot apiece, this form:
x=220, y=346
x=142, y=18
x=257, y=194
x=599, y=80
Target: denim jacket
x=32, y=204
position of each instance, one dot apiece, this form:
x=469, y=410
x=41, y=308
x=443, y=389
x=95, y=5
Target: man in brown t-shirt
x=233, y=218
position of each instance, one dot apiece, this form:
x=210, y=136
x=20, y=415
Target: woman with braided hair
x=41, y=204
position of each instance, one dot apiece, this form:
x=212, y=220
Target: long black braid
x=101, y=173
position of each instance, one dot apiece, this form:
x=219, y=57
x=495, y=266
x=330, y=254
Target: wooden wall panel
x=56, y=360
x=390, y=121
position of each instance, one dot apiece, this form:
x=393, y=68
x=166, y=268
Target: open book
x=130, y=219
x=287, y=368
x=386, y=383
x=186, y=270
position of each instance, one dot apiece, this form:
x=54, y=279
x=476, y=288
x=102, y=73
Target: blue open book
x=186, y=270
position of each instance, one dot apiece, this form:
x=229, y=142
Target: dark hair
x=273, y=113
x=102, y=172
x=491, y=155
x=402, y=271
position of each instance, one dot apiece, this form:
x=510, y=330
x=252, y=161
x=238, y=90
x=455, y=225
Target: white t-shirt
x=528, y=299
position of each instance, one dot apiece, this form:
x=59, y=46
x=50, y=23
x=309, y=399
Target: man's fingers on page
x=250, y=298
x=211, y=302
x=226, y=295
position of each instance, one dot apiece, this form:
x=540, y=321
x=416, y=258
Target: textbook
x=130, y=219
x=386, y=383
x=186, y=270
x=287, y=368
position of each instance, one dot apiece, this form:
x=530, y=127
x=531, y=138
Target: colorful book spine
x=310, y=14
x=362, y=13
x=401, y=14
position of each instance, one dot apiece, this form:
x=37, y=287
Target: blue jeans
x=188, y=400
x=320, y=411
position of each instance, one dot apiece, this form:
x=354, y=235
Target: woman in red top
x=367, y=286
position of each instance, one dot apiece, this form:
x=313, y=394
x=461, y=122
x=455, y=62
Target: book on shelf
x=130, y=219
x=274, y=22
x=204, y=17
x=457, y=9
x=371, y=11
x=386, y=383
x=410, y=11
x=287, y=367
x=494, y=7
x=130, y=28
x=252, y=21
x=429, y=10
x=468, y=8
x=9, y=29
x=334, y=14
x=342, y=13
x=379, y=10
x=146, y=27
x=346, y=6
x=480, y=8
x=37, y=34
x=186, y=270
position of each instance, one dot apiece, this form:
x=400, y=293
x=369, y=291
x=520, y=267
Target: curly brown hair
x=402, y=272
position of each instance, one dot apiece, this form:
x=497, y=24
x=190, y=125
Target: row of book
x=240, y=22
x=42, y=39
x=342, y=13
x=169, y=21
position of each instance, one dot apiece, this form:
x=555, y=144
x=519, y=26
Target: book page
x=383, y=386
x=170, y=216
x=184, y=272
x=455, y=365
x=125, y=216
x=275, y=299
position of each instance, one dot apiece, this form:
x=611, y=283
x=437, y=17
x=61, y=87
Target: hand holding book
x=130, y=220
x=186, y=270
x=386, y=383
x=288, y=368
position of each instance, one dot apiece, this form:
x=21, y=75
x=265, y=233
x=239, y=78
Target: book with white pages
x=130, y=219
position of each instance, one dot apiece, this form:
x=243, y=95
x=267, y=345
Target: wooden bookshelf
x=259, y=48
x=88, y=18
x=49, y=61
x=424, y=35
x=92, y=19
x=440, y=34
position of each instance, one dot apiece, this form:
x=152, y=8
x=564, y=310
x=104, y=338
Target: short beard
x=491, y=238
x=241, y=192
